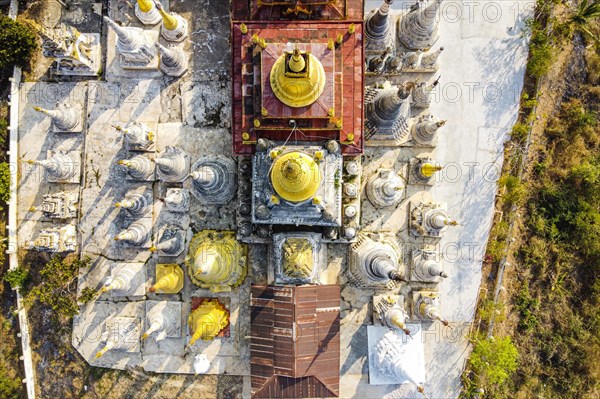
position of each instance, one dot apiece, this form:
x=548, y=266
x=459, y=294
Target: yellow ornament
x=298, y=258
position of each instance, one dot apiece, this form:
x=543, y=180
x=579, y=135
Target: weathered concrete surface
x=35, y=140
x=482, y=70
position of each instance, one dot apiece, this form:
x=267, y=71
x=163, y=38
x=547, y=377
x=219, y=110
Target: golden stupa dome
x=297, y=78
x=295, y=176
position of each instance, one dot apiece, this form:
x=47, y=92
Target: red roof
x=295, y=341
x=251, y=88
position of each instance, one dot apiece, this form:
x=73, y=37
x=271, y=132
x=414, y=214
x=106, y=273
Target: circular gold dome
x=297, y=79
x=295, y=176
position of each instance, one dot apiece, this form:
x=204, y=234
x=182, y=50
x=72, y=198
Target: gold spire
x=297, y=78
x=169, y=21
x=145, y=5
x=398, y=322
x=428, y=169
x=295, y=176
x=296, y=62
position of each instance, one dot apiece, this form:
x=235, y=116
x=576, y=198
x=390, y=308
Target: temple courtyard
x=158, y=176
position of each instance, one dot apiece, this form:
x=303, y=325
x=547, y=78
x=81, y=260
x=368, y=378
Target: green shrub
x=539, y=168
x=494, y=359
x=16, y=277
x=515, y=190
x=526, y=306
x=541, y=53
x=10, y=388
x=3, y=131
x=491, y=310
x=496, y=249
x=587, y=229
x=527, y=102
x=87, y=295
x=4, y=182
x=519, y=132
x=17, y=43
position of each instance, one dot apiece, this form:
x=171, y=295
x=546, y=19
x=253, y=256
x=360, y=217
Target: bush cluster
x=17, y=43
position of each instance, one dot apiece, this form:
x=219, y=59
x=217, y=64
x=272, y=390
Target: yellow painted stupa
x=169, y=279
x=295, y=176
x=297, y=78
x=216, y=260
x=208, y=320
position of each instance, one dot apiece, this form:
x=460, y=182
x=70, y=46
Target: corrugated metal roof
x=295, y=341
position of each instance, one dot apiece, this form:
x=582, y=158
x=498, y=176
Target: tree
x=17, y=43
x=494, y=359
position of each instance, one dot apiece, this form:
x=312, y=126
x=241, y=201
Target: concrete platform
x=482, y=69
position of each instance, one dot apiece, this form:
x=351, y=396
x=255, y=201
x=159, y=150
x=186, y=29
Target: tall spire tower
x=133, y=45
x=379, y=28
x=418, y=29
x=65, y=118
x=388, y=113
x=173, y=60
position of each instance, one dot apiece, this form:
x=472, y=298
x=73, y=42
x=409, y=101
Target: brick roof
x=295, y=341
x=251, y=91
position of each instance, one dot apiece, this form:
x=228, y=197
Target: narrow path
x=13, y=259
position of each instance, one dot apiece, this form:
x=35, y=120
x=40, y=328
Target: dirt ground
x=10, y=366
x=552, y=90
